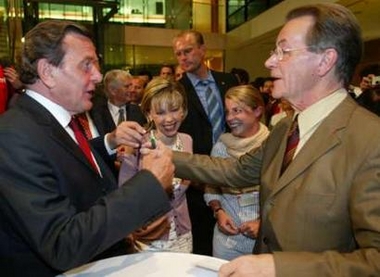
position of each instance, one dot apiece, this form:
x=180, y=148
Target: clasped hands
x=158, y=161
x=228, y=227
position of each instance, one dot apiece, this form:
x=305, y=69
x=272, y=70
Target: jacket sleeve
x=219, y=171
x=35, y=205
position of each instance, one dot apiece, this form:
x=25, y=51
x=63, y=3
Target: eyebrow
x=281, y=41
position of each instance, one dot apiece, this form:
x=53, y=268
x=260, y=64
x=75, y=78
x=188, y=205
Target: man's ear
x=46, y=72
x=327, y=62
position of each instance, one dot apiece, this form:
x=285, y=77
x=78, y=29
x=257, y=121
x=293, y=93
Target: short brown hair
x=45, y=41
x=195, y=34
x=335, y=27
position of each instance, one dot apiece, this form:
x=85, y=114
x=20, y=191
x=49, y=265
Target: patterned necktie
x=121, y=116
x=82, y=142
x=83, y=121
x=291, y=146
x=214, y=114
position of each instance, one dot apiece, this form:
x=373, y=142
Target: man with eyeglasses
x=320, y=215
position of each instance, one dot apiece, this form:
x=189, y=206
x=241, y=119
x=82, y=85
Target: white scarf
x=237, y=146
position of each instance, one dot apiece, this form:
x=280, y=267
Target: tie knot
x=204, y=83
x=295, y=123
x=296, y=118
x=121, y=116
x=73, y=124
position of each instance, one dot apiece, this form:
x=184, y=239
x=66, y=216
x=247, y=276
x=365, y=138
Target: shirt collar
x=196, y=81
x=317, y=112
x=113, y=108
x=59, y=113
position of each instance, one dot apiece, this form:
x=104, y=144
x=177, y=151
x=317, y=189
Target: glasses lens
x=277, y=52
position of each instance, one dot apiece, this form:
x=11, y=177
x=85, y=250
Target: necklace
x=177, y=145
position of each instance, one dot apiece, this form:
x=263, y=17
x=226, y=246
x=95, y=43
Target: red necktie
x=82, y=142
x=83, y=121
x=291, y=146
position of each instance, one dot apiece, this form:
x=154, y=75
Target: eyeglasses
x=279, y=52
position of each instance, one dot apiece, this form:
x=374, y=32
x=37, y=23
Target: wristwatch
x=216, y=211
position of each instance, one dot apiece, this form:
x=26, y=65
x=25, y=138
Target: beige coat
x=327, y=203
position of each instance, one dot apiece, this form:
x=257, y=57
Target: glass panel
x=255, y=8
x=140, y=12
x=68, y=12
x=234, y=5
x=236, y=19
x=242, y=11
x=135, y=58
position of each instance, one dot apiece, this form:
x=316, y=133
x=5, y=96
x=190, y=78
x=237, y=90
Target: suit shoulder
x=225, y=77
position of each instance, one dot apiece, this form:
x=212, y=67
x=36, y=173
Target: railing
x=239, y=12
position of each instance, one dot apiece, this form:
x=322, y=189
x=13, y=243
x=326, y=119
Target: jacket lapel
x=52, y=127
x=326, y=137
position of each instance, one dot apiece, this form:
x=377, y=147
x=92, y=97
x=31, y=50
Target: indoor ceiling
x=366, y=11
x=368, y=15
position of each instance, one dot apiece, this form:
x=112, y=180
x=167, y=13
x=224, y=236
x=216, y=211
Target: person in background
x=178, y=73
x=241, y=74
x=164, y=104
x=146, y=75
x=205, y=89
x=109, y=112
x=167, y=71
x=318, y=172
x=60, y=204
x=272, y=106
x=136, y=90
x=10, y=84
x=286, y=110
x=367, y=74
x=370, y=99
x=237, y=210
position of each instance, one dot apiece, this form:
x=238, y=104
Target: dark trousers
x=202, y=221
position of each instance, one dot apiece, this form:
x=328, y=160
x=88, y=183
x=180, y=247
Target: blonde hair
x=247, y=95
x=165, y=94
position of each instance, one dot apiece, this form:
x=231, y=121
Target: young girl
x=164, y=104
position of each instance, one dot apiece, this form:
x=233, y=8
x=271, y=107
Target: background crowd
x=192, y=160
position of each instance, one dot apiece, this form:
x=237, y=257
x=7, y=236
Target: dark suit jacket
x=102, y=117
x=321, y=217
x=104, y=123
x=196, y=123
x=56, y=212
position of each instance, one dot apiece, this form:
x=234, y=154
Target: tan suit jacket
x=326, y=204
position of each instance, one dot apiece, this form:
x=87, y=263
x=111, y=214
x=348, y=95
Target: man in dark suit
x=113, y=107
x=58, y=210
x=106, y=110
x=190, y=50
